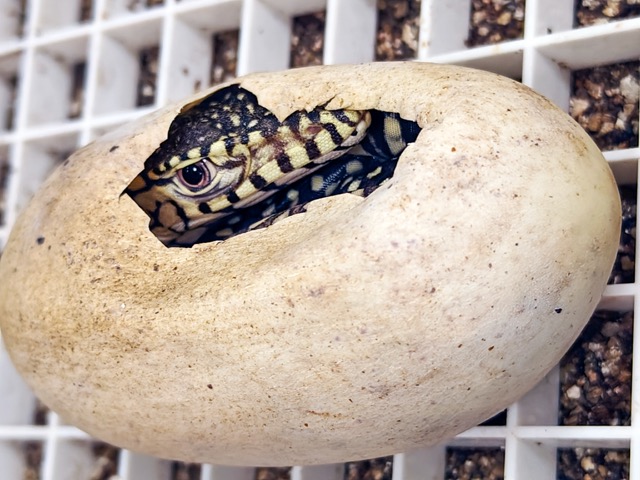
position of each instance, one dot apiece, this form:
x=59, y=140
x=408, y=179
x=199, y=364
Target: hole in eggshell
x=217, y=210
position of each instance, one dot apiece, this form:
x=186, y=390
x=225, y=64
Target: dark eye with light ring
x=195, y=176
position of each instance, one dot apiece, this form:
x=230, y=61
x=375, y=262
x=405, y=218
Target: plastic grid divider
x=40, y=134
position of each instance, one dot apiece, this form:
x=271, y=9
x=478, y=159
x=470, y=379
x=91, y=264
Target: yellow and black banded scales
x=229, y=165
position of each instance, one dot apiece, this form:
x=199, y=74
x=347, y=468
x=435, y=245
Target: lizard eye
x=195, y=176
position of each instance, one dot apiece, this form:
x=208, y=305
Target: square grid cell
x=69, y=74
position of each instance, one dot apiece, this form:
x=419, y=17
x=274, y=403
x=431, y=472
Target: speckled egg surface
x=362, y=327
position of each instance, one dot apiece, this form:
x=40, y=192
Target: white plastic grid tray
x=109, y=42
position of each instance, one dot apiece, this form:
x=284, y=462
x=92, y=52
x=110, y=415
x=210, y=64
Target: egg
x=359, y=328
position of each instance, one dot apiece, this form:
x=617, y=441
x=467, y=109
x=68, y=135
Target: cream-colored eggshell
x=361, y=328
